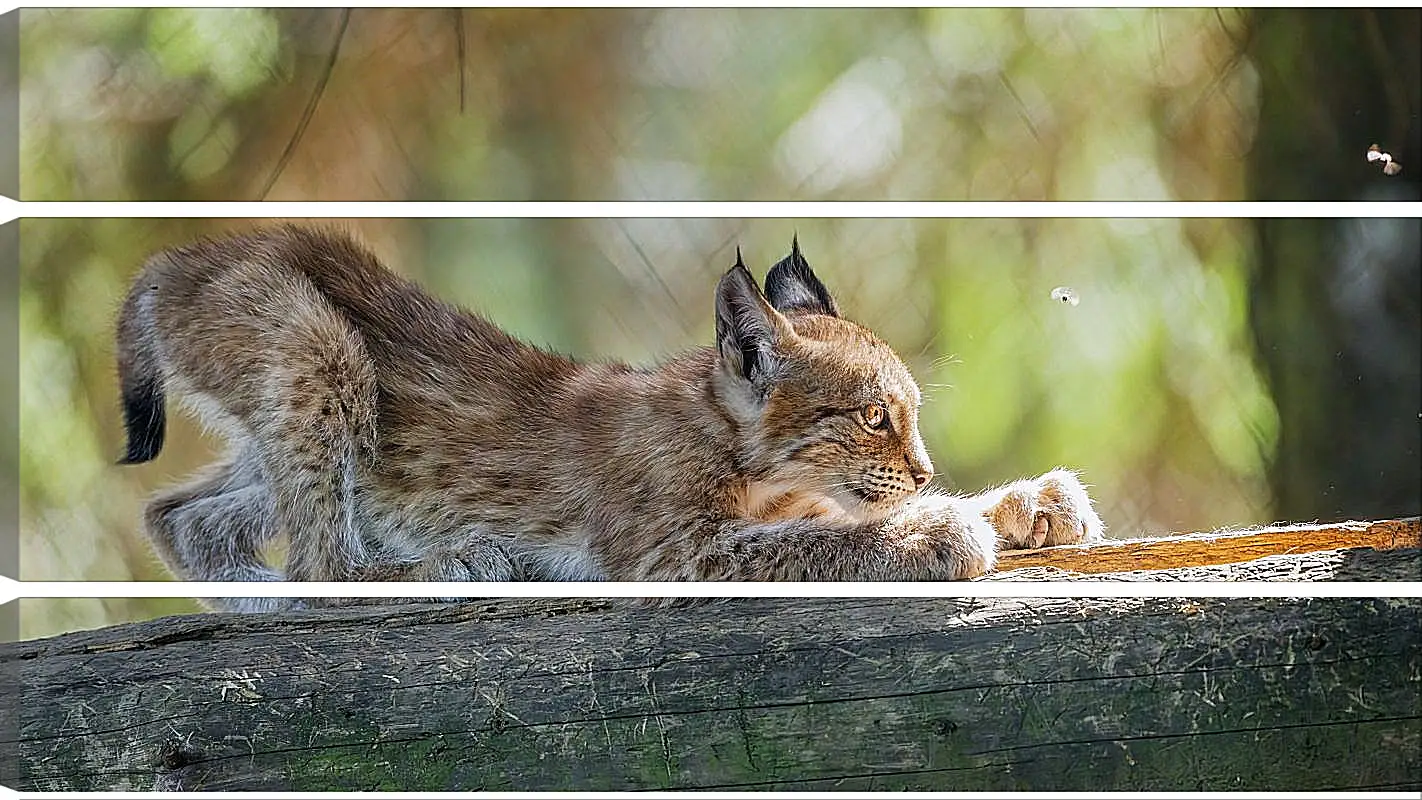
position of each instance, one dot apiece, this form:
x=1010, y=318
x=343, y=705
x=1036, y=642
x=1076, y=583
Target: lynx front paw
x=1051, y=510
x=944, y=540
x=978, y=549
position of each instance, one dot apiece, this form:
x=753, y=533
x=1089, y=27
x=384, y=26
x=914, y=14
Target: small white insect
x=1389, y=167
x=1064, y=294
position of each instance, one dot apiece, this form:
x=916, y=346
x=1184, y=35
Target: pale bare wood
x=1218, y=547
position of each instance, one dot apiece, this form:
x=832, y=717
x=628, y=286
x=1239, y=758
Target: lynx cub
x=395, y=437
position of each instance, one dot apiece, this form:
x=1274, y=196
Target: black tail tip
x=140, y=452
x=144, y=423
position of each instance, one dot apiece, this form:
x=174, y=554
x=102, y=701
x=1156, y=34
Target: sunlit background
x=716, y=104
x=1214, y=372
x=1167, y=383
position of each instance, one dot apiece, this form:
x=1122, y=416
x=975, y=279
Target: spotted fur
x=391, y=436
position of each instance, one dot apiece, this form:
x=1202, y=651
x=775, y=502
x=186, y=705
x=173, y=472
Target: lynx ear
x=793, y=286
x=747, y=328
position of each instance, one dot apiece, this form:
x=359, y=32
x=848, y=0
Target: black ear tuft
x=793, y=286
x=747, y=328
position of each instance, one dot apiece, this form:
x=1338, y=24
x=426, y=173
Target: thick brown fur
x=392, y=436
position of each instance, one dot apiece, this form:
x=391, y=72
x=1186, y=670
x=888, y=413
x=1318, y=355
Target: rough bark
x=800, y=694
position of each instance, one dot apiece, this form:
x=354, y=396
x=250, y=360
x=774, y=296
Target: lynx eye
x=874, y=416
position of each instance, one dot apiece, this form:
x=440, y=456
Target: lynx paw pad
x=1051, y=510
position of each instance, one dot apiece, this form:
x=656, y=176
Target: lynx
x=391, y=436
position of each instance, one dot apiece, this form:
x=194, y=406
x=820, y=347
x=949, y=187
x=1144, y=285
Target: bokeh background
x=718, y=104
x=1215, y=373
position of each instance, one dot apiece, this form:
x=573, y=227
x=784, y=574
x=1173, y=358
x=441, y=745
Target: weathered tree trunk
x=1334, y=303
x=852, y=694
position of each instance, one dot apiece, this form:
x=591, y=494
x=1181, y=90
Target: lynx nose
x=919, y=466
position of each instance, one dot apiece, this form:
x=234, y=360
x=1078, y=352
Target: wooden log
x=1167, y=694
x=1218, y=547
x=1352, y=564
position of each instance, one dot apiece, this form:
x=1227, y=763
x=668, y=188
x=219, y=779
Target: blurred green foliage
x=674, y=104
x=1149, y=385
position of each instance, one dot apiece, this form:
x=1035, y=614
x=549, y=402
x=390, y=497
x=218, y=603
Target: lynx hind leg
x=213, y=529
x=1048, y=511
x=318, y=425
x=474, y=557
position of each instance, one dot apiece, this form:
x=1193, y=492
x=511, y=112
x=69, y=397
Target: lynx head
x=828, y=411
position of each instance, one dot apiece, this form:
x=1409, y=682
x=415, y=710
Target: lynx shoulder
x=392, y=436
